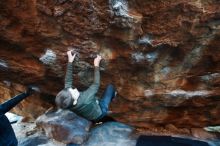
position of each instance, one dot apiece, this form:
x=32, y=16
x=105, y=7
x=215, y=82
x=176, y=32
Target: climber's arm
x=8, y=105
x=69, y=70
x=93, y=89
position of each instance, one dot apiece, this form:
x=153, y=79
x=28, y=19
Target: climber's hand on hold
x=32, y=89
x=97, y=61
x=71, y=56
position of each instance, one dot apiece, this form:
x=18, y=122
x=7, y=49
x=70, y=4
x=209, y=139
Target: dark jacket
x=7, y=135
x=87, y=104
x=167, y=141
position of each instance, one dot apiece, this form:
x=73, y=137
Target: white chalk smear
x=139, y=56
x=188, y=93
x=148, y=93
x=120, y=7
x=49, y=58
x=145, y=40
x=3, y=64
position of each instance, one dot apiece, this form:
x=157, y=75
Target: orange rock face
x=163, y=56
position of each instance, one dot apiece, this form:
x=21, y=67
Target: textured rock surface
x=64, y=126
x=28, y=135
x=163, y=56
x=111, y=134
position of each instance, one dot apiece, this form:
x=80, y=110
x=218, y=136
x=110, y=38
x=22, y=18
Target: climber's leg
x=109, y=94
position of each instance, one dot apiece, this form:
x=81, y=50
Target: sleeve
x=69, y=76
x=93, y=89
x=8, y=105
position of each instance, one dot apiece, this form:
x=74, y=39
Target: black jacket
x=7, y=135
x=168, y=141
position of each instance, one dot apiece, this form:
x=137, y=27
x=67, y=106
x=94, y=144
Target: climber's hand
x=31, y=90
x=97, y=61
x=71, y=56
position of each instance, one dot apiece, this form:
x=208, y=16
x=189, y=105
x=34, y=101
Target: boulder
x=64, y=126
x=29, y=135
x=111, y=134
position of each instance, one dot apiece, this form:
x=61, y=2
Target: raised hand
x=71, y=56
x=32, y=89
x=97, y=61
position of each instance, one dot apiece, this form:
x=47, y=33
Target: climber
x=7, y=135
x=85, y=103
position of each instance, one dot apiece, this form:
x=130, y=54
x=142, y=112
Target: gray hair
x=64, y=99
